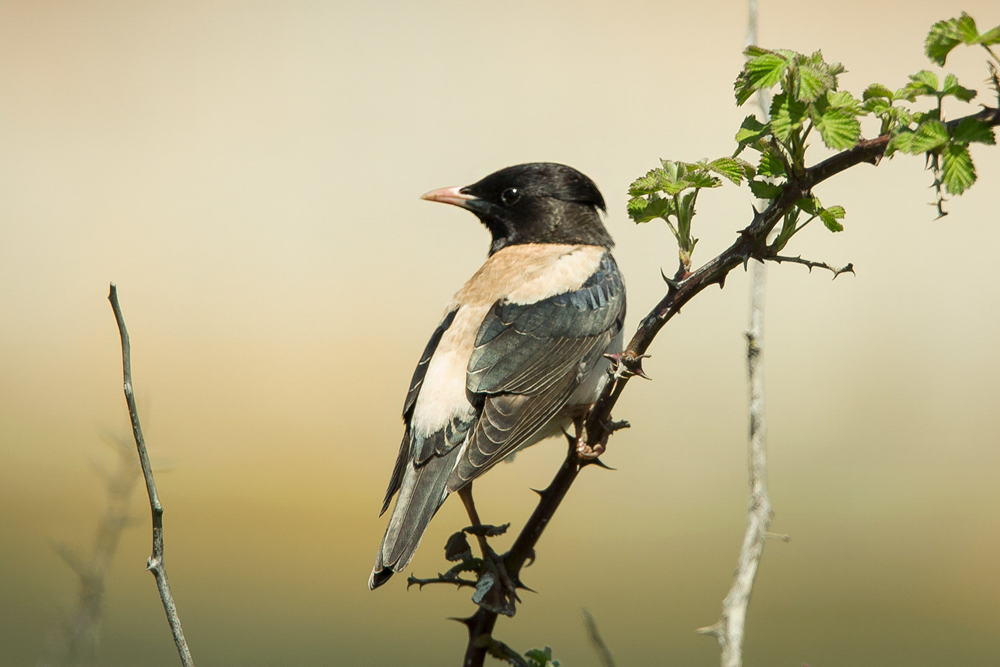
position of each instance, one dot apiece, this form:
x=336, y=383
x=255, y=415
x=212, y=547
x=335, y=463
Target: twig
x=155, y=563
x=729, y=629
x=603, y=652
x=812, y=265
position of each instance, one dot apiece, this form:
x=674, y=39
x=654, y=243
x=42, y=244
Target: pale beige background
x=249, y=174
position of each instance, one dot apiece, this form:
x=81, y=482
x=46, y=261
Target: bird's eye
x=510, y=196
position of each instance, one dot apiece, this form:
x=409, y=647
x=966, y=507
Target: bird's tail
x=422, y=492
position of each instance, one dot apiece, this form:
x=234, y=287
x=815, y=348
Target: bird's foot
x=588, y=452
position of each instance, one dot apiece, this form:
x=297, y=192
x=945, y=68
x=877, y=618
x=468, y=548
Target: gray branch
x=729, y=629
x=155, y=564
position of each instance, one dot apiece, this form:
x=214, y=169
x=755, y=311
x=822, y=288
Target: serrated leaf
x=843, y=99
x=762, y=70
x=926, y=82
x=876, y=105
x=702, y=179
x=839, y=128
x=965, y=26
x=942, y=38
x=787, y=116
x=643, y=210
x=958, y=172
x=971, y=129
x=952, y=87
x=734, y=170
x=876, y=90
x=908, y=92
x=764, y=190
x=645, y=185
x=831, y=216
x=813, y=81
x=750, y=132
x=900, y=142
x=928, y=136
x=990, y=37
x=771, y=164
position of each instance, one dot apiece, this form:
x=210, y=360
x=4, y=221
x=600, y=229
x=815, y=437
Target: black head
x=541, y=202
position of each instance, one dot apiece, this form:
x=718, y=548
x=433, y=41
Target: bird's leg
x=465, y=493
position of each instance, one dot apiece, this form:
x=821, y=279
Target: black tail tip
x=379, y=577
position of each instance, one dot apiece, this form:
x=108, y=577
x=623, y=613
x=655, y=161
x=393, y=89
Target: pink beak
x=449, y=196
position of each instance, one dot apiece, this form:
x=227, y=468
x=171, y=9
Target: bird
x=519, y=354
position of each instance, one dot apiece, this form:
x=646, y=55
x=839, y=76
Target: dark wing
x=528, y=361
x=411, y=399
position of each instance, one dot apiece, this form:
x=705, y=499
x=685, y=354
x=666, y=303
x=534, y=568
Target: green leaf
x=876, y=105
x=750, y=132
x=764, y=190
x=762, y=69
x=843, y=99
x=951, y=87
x=787, y=116
x=958, y=173
x=645, y=185
x=990, y=37
x=908, y=92
x=831, y=216
x=834, y=117
x=965, y=26
x=930, y=135
x=702, y=179
x=643, y=210
x=734, y=170
x=901, y=142
x=813, y=81
x=877, y=90
x=942, y=38
x=971, y=129
x=926, y=82
x=771, y=164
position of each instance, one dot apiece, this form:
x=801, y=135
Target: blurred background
x=249, y=175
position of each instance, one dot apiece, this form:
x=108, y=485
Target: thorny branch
x=751, y=243
x=813, y=265
x=155, y=563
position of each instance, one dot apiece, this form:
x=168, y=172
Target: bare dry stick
x=729, y=629
x=155, y=564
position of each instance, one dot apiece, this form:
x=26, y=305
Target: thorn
x=467, y=622
x=753, y=207
x=540, y=493
x=519, y=584
x=599, y=463
x=673, y=284
x=779, y=536
x=722, y=281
